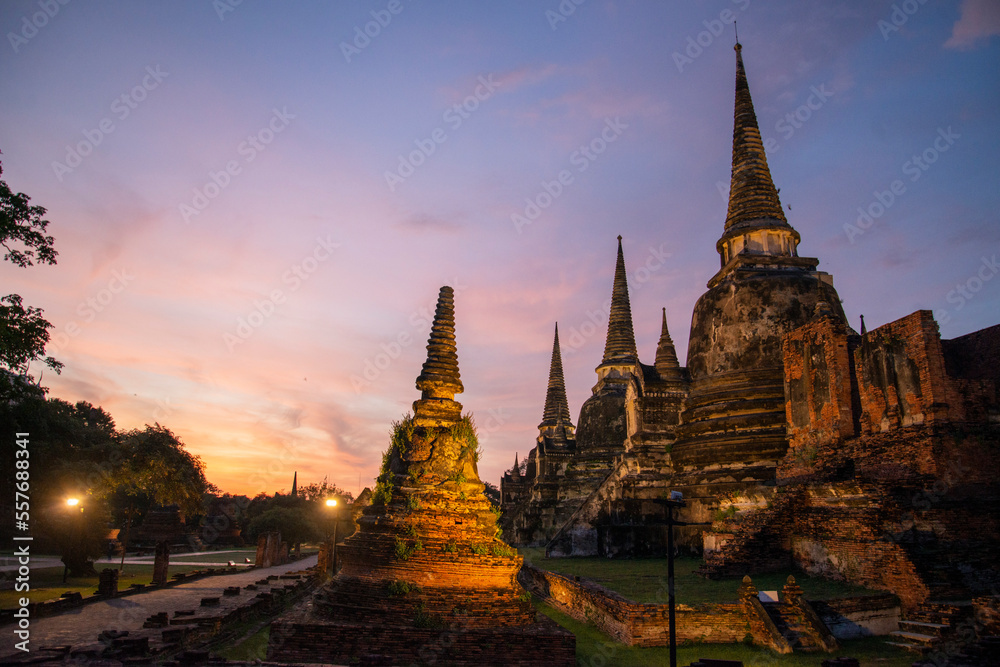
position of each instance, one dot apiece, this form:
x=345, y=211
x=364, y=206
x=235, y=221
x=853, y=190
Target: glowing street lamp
x=74, y=534
x=331, y=503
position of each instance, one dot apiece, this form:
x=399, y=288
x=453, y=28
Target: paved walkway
x=10, y=563
x=82, y=624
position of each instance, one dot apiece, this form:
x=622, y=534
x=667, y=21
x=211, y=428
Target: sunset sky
x=256, y=203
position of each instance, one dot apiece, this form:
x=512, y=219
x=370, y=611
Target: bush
x=464, y=431
x=402, y=588
x=404, y=549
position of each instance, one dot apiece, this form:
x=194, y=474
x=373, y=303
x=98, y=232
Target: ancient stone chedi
x=712, y=428
x=426, y=579
x=734, y=416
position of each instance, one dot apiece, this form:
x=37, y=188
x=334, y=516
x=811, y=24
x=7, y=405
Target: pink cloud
x=979, y=19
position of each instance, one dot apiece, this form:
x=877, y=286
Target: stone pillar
x=282, y=554
x=273, y=548
x=161, y=563
x=261, y=552
x=108, y=583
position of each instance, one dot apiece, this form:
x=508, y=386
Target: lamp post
x=331, y=504
x=72, y=504
x=676, y=501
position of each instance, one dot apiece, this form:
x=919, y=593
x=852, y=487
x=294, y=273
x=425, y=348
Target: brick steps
x=922, y=627
x=906, y=646
x=929, y=627
x=794, y=627
x=915, y=638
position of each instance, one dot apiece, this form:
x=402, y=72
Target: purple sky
x=206, y=164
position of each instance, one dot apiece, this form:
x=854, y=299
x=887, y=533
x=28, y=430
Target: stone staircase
x=794, y=627
x=931, y=626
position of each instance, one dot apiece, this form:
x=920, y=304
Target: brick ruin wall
x=839, y=386
x=645, y=624
x=910, y=421
x=636, y=623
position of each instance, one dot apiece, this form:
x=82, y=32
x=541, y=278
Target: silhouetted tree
x=492, y=493
x=24, y=333
x=154, y=468
x=295, y=525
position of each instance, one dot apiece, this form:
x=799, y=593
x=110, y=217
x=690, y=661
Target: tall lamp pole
x=332, y=504
x=74, y=538
x=676, y=501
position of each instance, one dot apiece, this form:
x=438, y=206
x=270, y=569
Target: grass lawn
x=645, y=580
x=595, y=648
x=47, y=584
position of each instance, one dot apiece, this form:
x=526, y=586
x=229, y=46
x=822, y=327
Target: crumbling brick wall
x=901, y=376
x=637, y=623
x=818, y=404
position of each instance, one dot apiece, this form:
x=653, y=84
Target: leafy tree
x=22, y=229
x=492, y=493
x=69, y=449
x=153, y=469
x=309, y=503
x=24, y=333
x=295, y=525
x=320, y=491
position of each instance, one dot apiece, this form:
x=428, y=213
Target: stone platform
x=303, y=638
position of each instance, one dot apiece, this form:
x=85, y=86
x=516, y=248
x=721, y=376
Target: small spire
x=864, y=329
x=439, y=377
x=295, y=483
x=752, y=195
x=666, y=356
x=556, y=406
x=620, y=345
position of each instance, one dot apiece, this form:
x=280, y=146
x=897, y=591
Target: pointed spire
x=439, y=379
x=516, y=470
x=666, y=356
x=620, y=345
x=752, y=195
x=556, y=406
x=295, y=483
x=864, y=329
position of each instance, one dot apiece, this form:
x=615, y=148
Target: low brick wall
x=636, y=623
x=645, y=624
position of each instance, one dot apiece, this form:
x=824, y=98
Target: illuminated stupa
x=426, y=575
